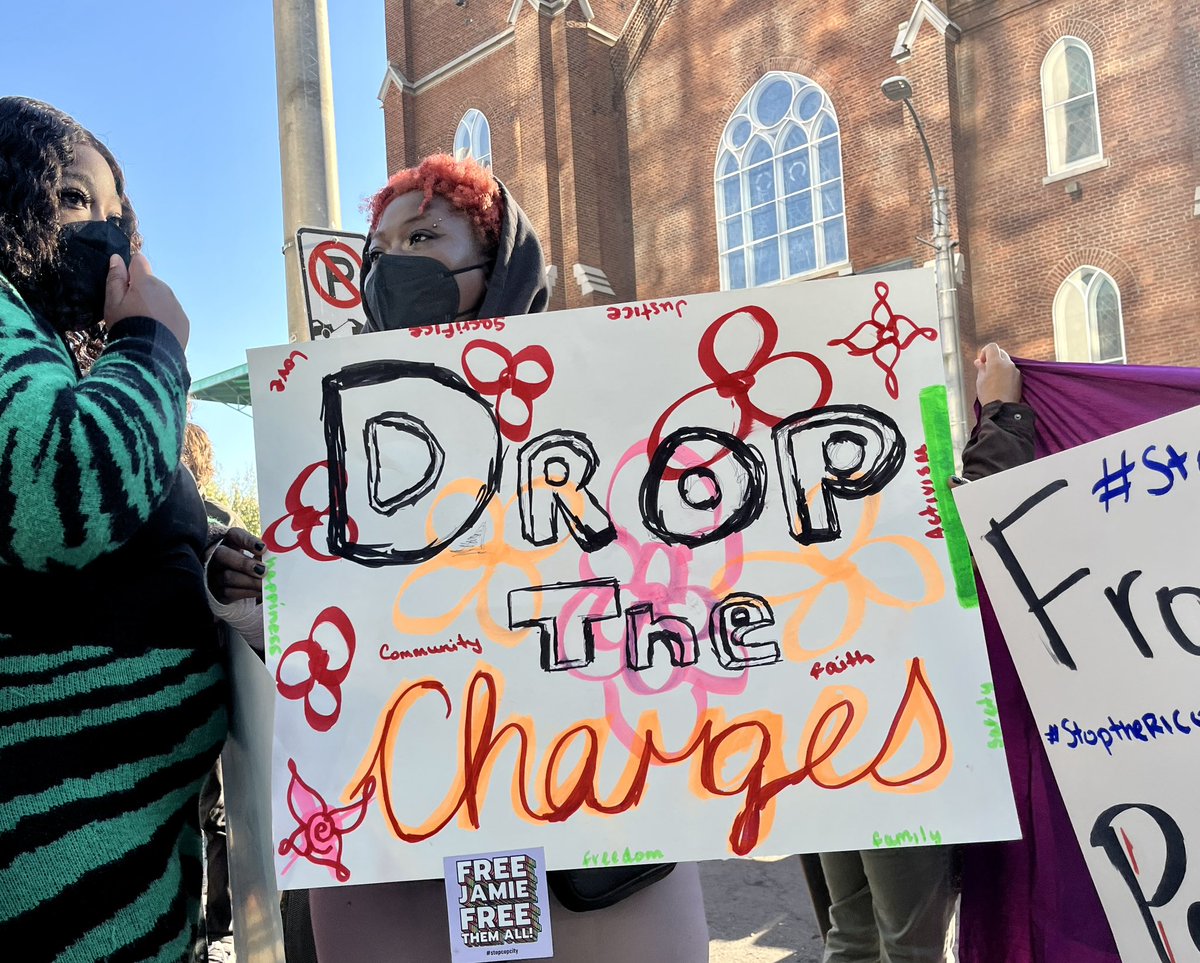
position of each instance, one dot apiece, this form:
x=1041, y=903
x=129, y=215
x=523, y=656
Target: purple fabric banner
x=1032, y=900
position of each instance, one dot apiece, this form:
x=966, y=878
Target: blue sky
x=184, y=94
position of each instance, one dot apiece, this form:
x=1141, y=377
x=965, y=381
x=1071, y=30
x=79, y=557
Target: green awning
x=230, y=387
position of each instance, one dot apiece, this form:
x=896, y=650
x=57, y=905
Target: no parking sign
x=331, y=271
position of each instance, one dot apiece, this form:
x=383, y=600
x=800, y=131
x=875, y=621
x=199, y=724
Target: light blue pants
x=890, y=905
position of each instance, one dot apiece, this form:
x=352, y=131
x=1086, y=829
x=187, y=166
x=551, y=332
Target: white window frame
x=775, y=136
x=1087, y=290
x=1092, y=161
x=473, y=123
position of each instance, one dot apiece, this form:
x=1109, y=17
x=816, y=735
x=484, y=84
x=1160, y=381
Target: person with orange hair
x=448, y=243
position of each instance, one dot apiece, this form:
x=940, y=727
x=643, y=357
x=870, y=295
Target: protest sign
x=1085, y=557
x=662, y=580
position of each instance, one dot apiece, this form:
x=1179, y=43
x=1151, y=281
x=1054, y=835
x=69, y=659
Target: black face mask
x=409, y=291
x=87, y=247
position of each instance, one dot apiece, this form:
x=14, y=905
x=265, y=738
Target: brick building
x=672, y=146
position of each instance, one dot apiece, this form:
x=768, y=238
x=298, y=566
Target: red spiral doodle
x=883, y=340
x=318, y=672
x=318, y=837
x=509, y=383
x=303, y=519
x=737, y=385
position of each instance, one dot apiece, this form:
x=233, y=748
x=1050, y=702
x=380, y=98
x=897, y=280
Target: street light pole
x=899, y=89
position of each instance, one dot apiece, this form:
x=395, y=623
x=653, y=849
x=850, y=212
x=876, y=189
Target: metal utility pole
x=899, y=89
x=307, y=148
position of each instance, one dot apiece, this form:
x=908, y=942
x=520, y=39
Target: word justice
x=702, y=485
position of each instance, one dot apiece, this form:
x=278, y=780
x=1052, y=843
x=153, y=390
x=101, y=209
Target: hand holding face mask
x=101, y=282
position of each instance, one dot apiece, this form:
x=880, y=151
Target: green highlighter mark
x=935, y=419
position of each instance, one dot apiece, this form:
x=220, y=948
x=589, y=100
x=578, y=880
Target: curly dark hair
x=37, y=142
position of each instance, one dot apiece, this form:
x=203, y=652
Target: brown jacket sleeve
x=1004, y=439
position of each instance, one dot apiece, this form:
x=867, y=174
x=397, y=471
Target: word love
x=289, y=365
x=702, y=485
x=498, y=900
x=1119, y=596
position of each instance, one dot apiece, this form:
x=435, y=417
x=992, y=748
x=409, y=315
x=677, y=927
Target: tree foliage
x=239, y=494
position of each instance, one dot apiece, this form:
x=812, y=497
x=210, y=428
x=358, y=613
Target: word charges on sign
x=331, y=272
x=638, y=587
x=1097, y=587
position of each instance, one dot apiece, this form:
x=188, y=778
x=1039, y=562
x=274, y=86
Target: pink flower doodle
x=884, y=341
x=319, y=832
x=660, y=575
x=308, y=661
x=501, y=378
x=734, y=380
x=304, y=519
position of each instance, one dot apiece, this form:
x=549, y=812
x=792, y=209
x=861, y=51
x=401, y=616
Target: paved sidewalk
x=759, y=912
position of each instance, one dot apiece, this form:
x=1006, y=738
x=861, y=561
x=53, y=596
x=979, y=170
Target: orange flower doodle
x=843, y=571
x=487, y=558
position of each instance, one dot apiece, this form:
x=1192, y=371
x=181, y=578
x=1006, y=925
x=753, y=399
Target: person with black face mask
x=112, y=694
x=449, y=245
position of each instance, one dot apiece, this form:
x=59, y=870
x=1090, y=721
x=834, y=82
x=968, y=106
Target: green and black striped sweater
x=112, y=694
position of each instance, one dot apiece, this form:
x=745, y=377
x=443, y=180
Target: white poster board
x=331, y=272
x=1090, y=562
x=652, y=582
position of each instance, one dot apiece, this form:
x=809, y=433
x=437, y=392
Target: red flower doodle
x=507, y=384
x=318, y=837
x=738, y=384
x=304, y=519
x=317, y=674
x=883, y=340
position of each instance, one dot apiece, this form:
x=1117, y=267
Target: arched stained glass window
x=1069, y=106
x=1087, y=318
x=474, y=138
x=780, y=204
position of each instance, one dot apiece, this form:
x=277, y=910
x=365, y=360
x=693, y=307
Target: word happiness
x=498, y=900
